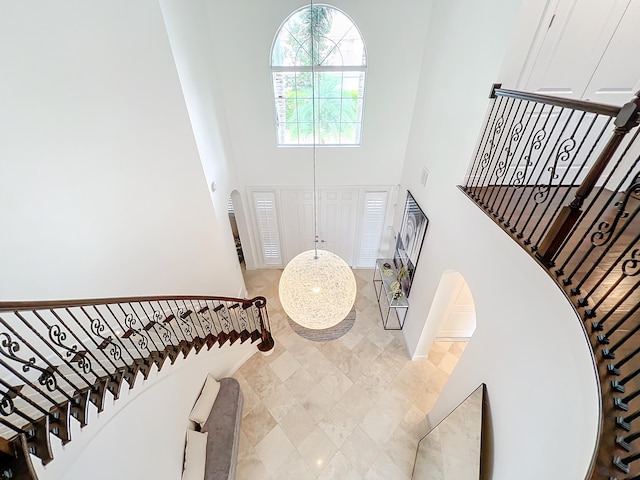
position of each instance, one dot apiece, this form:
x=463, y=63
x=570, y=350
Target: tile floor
x=348, y=409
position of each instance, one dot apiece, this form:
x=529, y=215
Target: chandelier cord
x=313, y=126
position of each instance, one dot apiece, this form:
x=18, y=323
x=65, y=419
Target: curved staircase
x=58, y=359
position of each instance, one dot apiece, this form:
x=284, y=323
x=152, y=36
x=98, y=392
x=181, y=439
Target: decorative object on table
x=386, y=270
x=392, y=302
x=396, y=287
x=409, y=241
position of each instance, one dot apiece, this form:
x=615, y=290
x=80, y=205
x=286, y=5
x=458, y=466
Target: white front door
x=337, y=212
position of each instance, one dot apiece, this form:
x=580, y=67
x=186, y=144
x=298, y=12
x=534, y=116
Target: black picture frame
x=409, y=240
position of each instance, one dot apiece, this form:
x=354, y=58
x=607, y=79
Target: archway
x=239, y=228
x=452, y=317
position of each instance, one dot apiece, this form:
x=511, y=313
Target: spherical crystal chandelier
x=317, y=289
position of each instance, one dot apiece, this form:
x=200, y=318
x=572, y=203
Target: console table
x=396, y=308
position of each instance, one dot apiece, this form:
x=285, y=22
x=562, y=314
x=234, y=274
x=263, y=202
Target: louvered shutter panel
x=267, y=219
x=375, y=206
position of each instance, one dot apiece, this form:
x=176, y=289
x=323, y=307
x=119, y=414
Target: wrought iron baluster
x=78, y=356
x=626, y=120
x=610, y=352
x=610, y=241
x=139, y=340
x=486, y=157
x=99, y=328
x=48, y=378
x=515, y=159
x=503, y=163
x=537, y=146
x=16, y=392
x=156, y=318
x=164, y=320
x=475, y=164
x=58, y=338
x=194, y=310
x=592, y=203
x=567, y=191
x=181, y=315
x=92, y=338
x=629, y=269
x=568, y=151
x=496, y=151
x=481, y=154
x=40, y=389
x=88, y=351
x=205, y=317
x=539, y=192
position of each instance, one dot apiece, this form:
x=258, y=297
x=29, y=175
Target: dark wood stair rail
x=59, y=357
x=562, y=178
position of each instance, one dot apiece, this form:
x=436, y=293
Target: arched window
x=322, y=43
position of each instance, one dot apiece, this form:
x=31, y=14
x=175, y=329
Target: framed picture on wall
x=409, y=240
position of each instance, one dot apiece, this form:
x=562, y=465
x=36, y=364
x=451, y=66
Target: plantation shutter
x=375, y=205
x=267, y=220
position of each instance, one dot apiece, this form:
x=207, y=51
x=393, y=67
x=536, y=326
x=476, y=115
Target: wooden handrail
x=6, y=306
x=580, y=105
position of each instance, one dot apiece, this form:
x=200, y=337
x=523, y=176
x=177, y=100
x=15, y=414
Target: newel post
x=627, y=119
x=267, y=343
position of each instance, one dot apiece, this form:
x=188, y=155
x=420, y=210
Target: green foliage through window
x=322, y=43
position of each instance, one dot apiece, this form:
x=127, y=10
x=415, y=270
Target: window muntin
x=337, y=62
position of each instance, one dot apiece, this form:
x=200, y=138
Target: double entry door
x=336, y=229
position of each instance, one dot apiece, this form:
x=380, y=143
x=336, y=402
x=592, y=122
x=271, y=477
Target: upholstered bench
x=220, y=429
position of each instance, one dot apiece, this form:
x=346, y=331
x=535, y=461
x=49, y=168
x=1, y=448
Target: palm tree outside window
x=318, y=43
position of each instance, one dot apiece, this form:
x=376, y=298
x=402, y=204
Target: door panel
x=574, y=42
x=297, y=219
x=337, y=211
x=616, y=79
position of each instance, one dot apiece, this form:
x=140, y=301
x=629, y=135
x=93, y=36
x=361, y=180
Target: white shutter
x=267, y=222
x=375, y=206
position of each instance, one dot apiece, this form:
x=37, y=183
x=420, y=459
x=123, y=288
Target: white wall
x=101, y=188
x=193, y=49
x=528, y=347
x=142, y=434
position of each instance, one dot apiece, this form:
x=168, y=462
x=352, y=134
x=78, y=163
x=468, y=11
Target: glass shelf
x=383, y=277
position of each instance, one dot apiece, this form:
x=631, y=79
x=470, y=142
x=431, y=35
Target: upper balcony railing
x=59, y=358
x=562, y=177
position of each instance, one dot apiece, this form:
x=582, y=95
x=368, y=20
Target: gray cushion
x=223, y=426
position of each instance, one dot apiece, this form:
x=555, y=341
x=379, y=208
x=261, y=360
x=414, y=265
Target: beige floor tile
x=280, y=402
x=317, y=449
x=296, y=468
x=339, y=468
x=318, y=402
x=338, y=424
x=284, y=366
x=384, y=469
x=336, y=384
x=257, y=424
x=298, y=424
x=378, y=425
x=360, y=450
x=274, y=449
x=300, y=383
